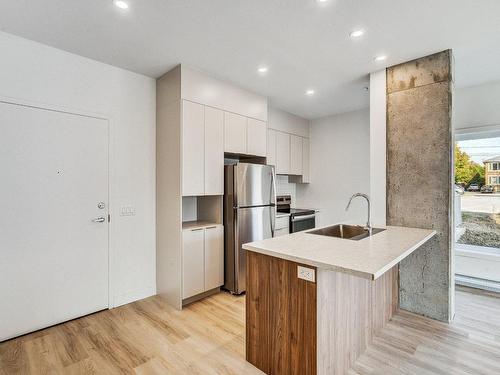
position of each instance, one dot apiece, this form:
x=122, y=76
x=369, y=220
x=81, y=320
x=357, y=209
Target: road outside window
x=477, y=179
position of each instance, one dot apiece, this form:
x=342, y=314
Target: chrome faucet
x=369, y=221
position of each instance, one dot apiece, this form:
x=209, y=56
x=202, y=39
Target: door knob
x=99, y=219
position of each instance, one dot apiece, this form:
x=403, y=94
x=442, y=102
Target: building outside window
x=492, y=172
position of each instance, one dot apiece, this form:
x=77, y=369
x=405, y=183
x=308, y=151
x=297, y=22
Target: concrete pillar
x=419, y=177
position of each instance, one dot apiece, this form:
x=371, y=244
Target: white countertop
x=369, y=257
x=190, y=225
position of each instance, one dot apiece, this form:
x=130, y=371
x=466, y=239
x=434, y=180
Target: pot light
x=121, y=4
x=263, y=69
x=356, y=33
x=321, y=1
x=380, y=58
x=310, y=92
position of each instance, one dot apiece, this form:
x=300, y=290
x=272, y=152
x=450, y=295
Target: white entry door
x=53, y=229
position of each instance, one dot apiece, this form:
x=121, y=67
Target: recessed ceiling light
x=356, y=33
x=121, y=4
x=321, y=1
x=263, y=69
x=310, y=92
x=380, y=58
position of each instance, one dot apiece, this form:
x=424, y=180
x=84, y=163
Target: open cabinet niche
x=201, y=210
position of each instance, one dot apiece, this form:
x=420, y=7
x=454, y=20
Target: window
x=494, y=166
x=494, y=180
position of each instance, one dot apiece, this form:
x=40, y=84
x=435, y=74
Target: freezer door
x=254, y=185
x=254, y=224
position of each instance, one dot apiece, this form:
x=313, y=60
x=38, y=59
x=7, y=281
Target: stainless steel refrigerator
x=249, y=215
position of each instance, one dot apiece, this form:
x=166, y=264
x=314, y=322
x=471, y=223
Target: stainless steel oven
x=300, y=219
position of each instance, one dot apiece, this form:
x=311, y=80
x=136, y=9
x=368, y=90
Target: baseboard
x=473, y=282
x=200, y=296
x=133, y=295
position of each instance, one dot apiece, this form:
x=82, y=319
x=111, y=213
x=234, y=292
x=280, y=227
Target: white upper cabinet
x=256, y=137
x=193, y=148
x=271, y=147
x=306, y=174
x=235, y=133
x=288, y=144
x=289, y=153
x=295, y=155
x=214, y=257
x=282, y=153
x=214, y=151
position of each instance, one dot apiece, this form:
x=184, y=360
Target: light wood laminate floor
x=207, y=337
x=412, y=344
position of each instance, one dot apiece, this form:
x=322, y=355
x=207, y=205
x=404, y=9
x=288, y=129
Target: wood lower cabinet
x=202, y=259
x=281, y=317
x=299, y=327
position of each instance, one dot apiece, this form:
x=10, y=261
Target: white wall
x=287, y=122
x=32, y=73
x=340, y=167
x=477, y=105
x=378, y=147
x=200, y=88
x=476, y=113
x=284, y=187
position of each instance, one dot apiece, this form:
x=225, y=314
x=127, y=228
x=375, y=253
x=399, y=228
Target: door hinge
x=109, y=218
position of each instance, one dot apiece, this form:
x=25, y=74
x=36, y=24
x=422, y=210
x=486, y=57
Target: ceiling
x=304, y=43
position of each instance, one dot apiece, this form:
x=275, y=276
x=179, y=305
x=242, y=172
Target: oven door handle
x=303, y=217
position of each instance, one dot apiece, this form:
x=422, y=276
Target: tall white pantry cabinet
x=199, y=119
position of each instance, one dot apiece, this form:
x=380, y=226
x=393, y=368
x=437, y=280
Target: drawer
x=281, y=232
x=282, y=222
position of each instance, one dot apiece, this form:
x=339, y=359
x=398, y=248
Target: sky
x=481, y=149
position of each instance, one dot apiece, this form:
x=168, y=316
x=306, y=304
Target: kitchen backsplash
x=283, y=187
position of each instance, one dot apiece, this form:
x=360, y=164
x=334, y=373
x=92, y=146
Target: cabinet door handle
x=212, y=227
x=196, y=229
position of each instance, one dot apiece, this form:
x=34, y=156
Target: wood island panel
x=351, y=311
x=281, y=332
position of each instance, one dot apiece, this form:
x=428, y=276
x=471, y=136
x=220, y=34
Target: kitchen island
x=314, y=302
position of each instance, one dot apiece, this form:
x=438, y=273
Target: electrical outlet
x=306, y=273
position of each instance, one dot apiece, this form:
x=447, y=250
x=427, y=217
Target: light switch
x=306, y=273
x=127, y=211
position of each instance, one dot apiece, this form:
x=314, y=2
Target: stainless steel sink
x=348, y=232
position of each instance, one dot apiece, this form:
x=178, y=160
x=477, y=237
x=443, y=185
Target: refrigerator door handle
x=273, y=187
